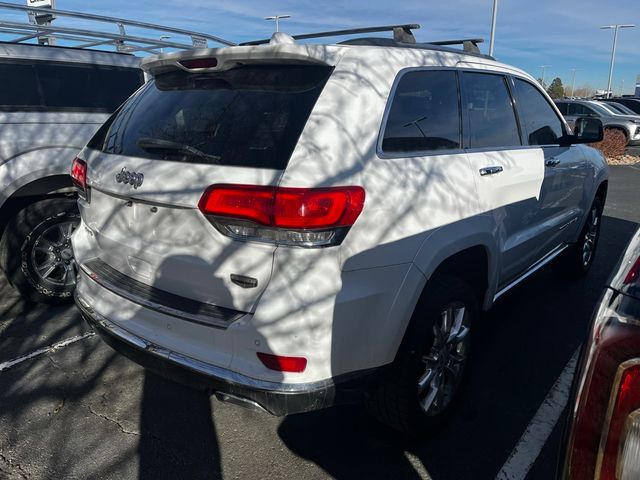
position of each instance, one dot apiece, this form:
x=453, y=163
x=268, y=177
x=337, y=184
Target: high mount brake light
x=79, y=176
x=196, y=63
x=309, y=217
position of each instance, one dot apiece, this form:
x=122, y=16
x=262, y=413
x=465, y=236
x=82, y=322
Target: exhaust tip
x=240, y=401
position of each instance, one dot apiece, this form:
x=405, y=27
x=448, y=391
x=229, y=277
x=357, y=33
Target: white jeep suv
x=296, y=226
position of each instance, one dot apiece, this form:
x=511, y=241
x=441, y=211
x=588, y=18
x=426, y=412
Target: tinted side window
x=575, y=109
x=46, y=86
x=87, y=86
x=562, y=107
x=579, y=109
x=632, y=104
x=539, y=121
x=18, y=85
x=424, y=113
x=489, y=111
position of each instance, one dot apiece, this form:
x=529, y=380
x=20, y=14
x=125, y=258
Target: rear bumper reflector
x=159, y=300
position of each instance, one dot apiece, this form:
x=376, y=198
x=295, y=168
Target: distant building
x=638, y=86
x=603, y=93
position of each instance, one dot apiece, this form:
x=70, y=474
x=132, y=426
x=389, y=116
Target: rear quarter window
x=424, y=114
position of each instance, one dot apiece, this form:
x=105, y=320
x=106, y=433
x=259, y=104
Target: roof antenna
x=403, y=34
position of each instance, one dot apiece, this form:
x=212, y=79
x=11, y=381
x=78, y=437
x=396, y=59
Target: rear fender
x=43, y=168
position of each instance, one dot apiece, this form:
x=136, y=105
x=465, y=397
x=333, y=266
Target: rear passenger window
x=579, y=109
x=424, y=113
x=562, y=107
x=539, y=121
x=489, y=111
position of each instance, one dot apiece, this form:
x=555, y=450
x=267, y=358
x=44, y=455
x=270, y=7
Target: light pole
x=573, y=80
x=493, y=26
x=615, y=29
x=277, y=19
x=544, y=69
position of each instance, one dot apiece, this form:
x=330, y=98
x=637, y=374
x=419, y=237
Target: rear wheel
x=578, y=259
x=418, y=390
x=36, y=255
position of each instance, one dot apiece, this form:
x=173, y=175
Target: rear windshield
x=249, y=116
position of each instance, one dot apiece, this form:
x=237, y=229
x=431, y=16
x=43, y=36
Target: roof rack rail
x=87, y=38
x=401, y=33
x=469, y=45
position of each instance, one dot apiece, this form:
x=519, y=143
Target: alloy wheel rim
x=444, y=363
x=52, y=256
x=589, y=243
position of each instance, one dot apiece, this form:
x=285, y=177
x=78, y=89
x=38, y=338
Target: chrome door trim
x=534, y=268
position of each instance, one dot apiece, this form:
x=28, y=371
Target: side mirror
x=586, y=130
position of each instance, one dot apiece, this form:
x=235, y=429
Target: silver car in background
x=627, y=124
x=618, y=108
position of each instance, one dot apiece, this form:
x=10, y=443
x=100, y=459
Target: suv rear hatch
x=149, y=165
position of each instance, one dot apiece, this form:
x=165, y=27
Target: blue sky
x=562, y=34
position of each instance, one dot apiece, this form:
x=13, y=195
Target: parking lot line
x=51, y=348
x=525, y=453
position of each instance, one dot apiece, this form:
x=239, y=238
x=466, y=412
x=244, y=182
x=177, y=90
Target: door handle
x=552, y=162
x=490, y=170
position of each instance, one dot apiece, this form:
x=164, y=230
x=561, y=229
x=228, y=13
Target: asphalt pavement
x=79, y=410
x=635, y=151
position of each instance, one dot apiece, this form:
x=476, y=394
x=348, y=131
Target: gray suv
x=627, y=124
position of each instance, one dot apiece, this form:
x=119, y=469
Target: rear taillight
x=605, y=436
x=79, y=176
x=623, y=429
x=629, y=462
x=310, y=217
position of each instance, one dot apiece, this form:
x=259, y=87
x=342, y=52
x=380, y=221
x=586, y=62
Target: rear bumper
x=274, y=398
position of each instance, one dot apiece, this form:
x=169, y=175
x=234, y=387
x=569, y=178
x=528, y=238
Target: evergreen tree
x=556, y=90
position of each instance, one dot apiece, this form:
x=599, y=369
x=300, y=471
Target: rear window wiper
x=160, y=144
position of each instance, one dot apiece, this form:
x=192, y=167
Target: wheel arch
x=34, y=190
x=624, y=129
x=599, y=192
x=460, y=244
x=454, y=263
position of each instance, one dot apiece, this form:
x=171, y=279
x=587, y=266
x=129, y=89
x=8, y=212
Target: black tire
x=573, y=262
x=33, y=242
x=396, y=398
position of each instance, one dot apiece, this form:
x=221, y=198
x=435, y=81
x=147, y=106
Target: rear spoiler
x=219, y=59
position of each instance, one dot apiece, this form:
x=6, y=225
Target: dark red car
x=604, y=438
